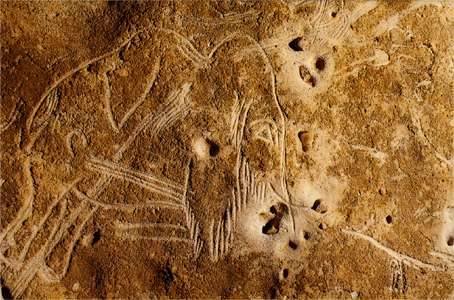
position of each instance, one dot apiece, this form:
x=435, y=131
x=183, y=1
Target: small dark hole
x=167, y=276
x=319, y=207
x=6, y=291
x=292, y=245
x=274, y=292
x=307, y=235
x=312, y=81
x=322, y=226
x=285, y=273
x=295, y=44
x=306, y=76
x=333, y=14
x=96, y=237
x=267, y=227
x=271, y=227
x=320, y=64
x=305, y=140
x=451, y=241
x=389, y=219
x=316, y=204
x=279, y=210
x=214, y=148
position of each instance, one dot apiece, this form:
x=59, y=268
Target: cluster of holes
x=273, y=225
x=320, y=62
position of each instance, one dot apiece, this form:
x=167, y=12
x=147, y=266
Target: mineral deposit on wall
x=234, y=149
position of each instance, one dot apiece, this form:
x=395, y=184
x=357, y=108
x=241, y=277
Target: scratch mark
x=153, y=183
x=69, y=140
x=12, y=117
x=407, y=260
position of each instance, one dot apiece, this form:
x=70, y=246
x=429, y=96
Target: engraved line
x=148, y=177
x=142, y=98
x=409, y=261
x=129, y=176
x=12, y=117
x=73, y=71
x=155, y=239
x=133, y=226
x=107, y=102
x=149, y=204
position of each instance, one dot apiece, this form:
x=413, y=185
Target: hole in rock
x=316, y=204
x=305, y=138
x=306, y=76
x=295, y=44
x=6, y=291
x=333, y=14
x=307, y=235
x=273, y=225
x=213, y=148
x=322, y=226
x=389, y=219
x=319, y=207
x=292, y=245
x=450, y=241
x=96, y=237
x=270, y=227
x=167, y=276
x=285, y=273
x=320, y=63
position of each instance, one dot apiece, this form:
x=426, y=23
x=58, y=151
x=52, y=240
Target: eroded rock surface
x=235, y=149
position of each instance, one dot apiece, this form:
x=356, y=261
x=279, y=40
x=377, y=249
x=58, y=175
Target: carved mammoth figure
x=154, y=125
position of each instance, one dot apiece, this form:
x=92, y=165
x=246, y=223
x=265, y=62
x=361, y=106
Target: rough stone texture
x=234, y=149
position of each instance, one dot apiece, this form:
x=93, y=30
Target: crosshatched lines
x=176, y=107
